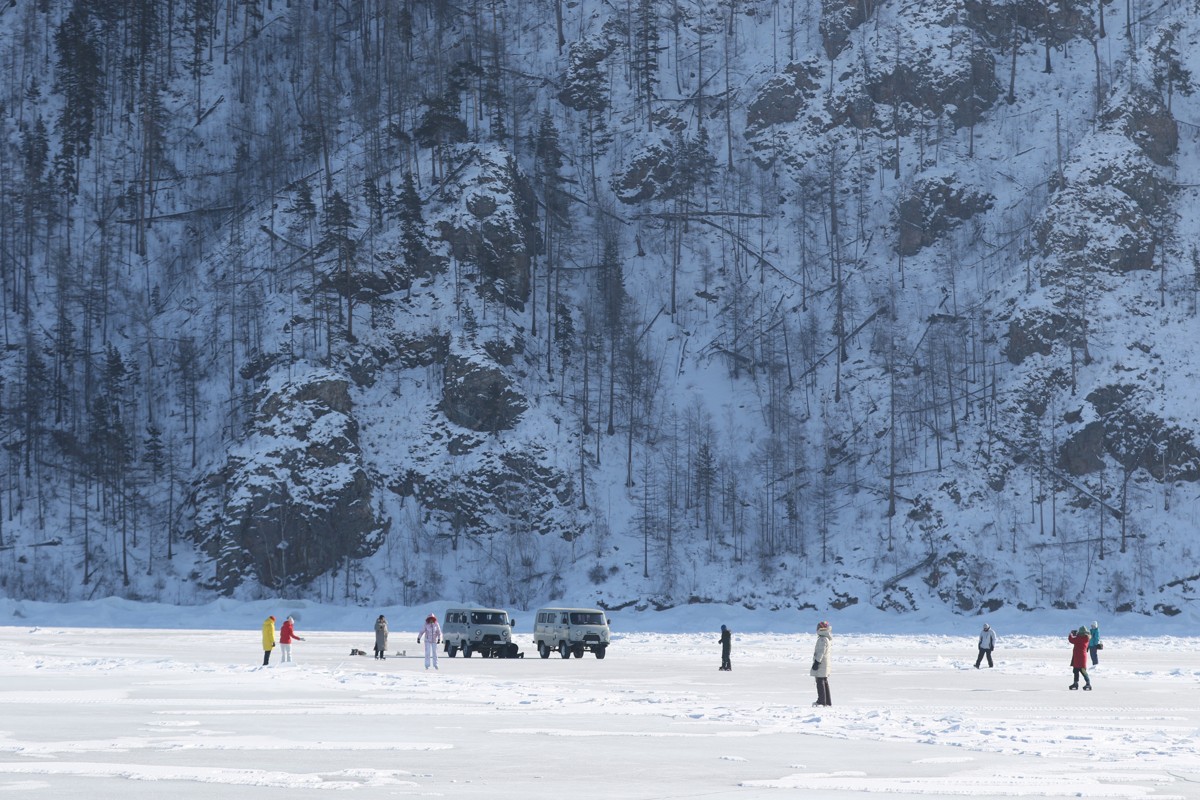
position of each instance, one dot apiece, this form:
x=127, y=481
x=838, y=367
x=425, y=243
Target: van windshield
x=489, y=618
x=587, y=618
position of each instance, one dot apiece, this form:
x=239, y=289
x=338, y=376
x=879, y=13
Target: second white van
x=570, y=631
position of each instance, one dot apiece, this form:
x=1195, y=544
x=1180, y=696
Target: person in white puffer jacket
x=820, y=665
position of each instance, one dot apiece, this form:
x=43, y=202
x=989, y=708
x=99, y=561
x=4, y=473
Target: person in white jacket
x=987, y=643
x=432, y=634
x=820, y=665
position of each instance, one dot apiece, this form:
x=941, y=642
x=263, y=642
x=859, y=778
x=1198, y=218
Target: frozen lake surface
x=121, y=713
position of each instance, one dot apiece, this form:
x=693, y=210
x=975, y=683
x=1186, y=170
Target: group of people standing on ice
x=431, y=632
x=287, y=635
x=820, y=662
x=1085, y=643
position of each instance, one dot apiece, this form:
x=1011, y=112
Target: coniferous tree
x=564, y=340
x=647, y=45
x=585, y=89
x=548, y=163
x=36, y=202
x=440, y=126
x=373, y=199
x=414, y=249
x=611, y=275
x=336, y=227
x=198, y=21
x=79, y=78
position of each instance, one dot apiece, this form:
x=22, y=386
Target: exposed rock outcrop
x=293, y=499
x=934, y=205
x=476, y=393
x=492, y=223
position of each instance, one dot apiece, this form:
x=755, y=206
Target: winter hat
x=1095, y=624
x=724, y=628
x=1083, y=630
x=822, y=626
x=271, y=618
x=431, y=618
x=987, y=627
x=289, y=619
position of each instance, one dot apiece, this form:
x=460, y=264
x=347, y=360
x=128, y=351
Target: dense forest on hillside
x=774, y=302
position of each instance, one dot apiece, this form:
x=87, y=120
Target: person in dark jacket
x=1079, y=657
x=726, y=644
x=381, y=634
x=987, y=643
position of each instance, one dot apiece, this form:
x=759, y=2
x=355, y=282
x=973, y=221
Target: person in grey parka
x=820, y=665
x=987, y=643
x=381, y=632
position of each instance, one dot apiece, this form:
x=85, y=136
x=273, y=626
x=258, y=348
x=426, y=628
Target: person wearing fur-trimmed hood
x=1079, y=658
x=381, y=634
x=432, y=633
x=820, y=665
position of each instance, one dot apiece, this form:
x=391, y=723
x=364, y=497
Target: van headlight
x=478, y=633
x=503, y=634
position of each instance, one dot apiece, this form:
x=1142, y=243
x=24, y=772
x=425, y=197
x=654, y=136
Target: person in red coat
x=1079, y=656
x=287, y=635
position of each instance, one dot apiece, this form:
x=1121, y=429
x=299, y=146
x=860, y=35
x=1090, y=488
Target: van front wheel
x=599, y=651
x=543, y=650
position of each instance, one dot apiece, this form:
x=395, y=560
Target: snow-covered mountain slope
x=770, y=304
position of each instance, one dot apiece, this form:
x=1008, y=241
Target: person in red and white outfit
x=287, y=635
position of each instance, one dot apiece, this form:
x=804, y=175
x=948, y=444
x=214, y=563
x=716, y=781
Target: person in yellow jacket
x=268, y=639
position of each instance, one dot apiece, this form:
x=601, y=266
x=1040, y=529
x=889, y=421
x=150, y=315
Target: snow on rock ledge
x=293, y=499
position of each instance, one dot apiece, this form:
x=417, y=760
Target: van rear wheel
x=467, y=651
x=543, y=650
x=451, y=650
x=563, y=650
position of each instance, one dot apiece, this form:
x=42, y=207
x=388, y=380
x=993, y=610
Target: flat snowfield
x=103, y=713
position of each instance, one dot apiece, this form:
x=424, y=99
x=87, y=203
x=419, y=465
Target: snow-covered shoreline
x=698, y=618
